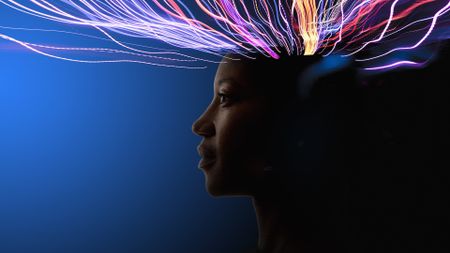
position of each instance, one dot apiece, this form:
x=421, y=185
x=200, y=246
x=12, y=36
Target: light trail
x=269, y=27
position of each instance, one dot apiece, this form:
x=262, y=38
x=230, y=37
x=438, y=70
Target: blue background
x=101, y=158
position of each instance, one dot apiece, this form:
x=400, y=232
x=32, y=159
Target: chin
x=221, y=181
x=218, y=187
x=213, y=192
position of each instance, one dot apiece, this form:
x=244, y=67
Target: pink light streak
x=394, y=65
x=296, y=27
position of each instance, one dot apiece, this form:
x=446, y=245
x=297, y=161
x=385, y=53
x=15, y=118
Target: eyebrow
x=228, y=80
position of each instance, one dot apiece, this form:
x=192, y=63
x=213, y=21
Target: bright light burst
x=372, y=31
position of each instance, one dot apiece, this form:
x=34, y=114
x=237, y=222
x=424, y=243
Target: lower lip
x=206, y=163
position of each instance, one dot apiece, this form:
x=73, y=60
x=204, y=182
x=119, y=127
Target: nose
x=204, y=126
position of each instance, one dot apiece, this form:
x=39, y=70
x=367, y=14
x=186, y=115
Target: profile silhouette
x=307, y=154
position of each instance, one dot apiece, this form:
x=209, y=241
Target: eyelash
x=223, y=96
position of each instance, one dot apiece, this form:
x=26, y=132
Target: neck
x=278, y=226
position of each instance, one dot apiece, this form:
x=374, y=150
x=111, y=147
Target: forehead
x=238, y=70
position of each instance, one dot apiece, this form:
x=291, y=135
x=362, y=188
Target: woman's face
x=235, y=130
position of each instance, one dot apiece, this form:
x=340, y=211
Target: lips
x=206, y=163
x=208, y=157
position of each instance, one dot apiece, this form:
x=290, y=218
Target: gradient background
x=101, y=158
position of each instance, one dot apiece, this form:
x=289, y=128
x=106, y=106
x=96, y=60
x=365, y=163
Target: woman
x=304, y=156
x=250, y=131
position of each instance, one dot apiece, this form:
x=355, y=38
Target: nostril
x=196, y=127
x=203, y=128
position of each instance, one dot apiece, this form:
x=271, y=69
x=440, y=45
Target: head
x=347, y=159
x=251, y=123
x=234, y=130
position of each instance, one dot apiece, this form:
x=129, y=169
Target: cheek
x=241, y=135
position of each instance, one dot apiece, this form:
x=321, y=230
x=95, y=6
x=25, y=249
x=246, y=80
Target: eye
x=225, y=99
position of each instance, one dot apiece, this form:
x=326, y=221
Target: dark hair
x=349, y=153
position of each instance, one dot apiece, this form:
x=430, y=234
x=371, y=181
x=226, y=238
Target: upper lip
x=206, y=151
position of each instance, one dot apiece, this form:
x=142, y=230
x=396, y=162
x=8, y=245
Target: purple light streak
x=297, y=27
